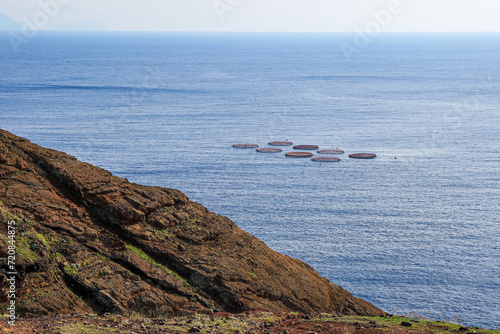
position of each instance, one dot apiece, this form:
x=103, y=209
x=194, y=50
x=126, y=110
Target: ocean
x=415, y=230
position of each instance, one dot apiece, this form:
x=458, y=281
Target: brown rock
x=92, y=242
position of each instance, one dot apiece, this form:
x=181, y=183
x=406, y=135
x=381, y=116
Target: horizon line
x=263, y=31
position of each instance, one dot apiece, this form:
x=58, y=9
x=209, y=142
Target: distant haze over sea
x=8, y=23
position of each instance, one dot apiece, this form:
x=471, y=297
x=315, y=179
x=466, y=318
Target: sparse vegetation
x=146, y=257
x=399, y=324
x=163, y=234
x=42, y=239
x=79, y=328
x=6, y=140
x=6, y=213
x=71, y=268
x=254, y=276
x=253, y=322
x=102, y=257
x=26, y=247
x=102, y=273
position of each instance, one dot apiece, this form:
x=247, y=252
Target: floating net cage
x=280, y=143
x=245, y=145
x=362, y=156
x=269, y=150
x=330, y=151
x=326, y=159
x=299, y=154
x=306, y=147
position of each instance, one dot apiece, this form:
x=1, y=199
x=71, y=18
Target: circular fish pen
x=245, y=145
x=269, y=150
x=298, y=154
x=306, y=147
x=326, y=159
x=362, y=156
x=330, y=151
x=280, y=143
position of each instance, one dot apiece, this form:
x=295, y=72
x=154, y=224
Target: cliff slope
x=88, y=241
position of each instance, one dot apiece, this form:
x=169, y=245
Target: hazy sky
x=266, y=15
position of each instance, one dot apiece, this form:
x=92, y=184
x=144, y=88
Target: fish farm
x=325, y=154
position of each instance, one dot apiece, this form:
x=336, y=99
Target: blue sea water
x=415, y=230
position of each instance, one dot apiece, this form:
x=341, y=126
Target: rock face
x=88, y=241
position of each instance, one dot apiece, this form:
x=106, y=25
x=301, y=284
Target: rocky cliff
x=88, y=241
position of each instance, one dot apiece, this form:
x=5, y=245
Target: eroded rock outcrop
x=88, y=241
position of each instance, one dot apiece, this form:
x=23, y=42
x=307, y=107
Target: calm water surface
x=415, y=230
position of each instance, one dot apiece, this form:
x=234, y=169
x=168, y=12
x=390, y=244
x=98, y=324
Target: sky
x=261, y=15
